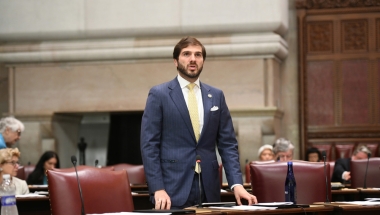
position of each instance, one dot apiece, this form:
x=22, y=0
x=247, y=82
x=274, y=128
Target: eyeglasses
x=18, y=132
x=14, y=163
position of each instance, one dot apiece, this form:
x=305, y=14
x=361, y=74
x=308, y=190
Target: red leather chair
x=248, y=170
x=332, y=165
x=103, y=191
x=344, y=150
x=221, y=175
x=373, y=147
x=358, y=168
x=247, y=173
x=21, y=173
x=268, y=181
x=28, y=169
x=136, y=173
x=325, y=147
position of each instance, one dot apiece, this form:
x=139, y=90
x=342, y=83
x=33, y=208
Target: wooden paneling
x=320, y=90
x=339, y=76
x=355, y=92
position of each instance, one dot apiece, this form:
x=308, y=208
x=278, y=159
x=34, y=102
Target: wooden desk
x=33, y=206
x=41, y=206
x=358, y=210
x=354, y=194
x=317, y=210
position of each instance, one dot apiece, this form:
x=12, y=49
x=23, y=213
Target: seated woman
x=9, y=165
x=48, y=160
x=283, y=150
x=265, y=153
x=313, y=155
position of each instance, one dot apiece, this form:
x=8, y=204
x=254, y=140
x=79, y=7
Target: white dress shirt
x=198, y=94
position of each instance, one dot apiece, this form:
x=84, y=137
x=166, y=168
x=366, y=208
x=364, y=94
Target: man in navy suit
x=170, y=145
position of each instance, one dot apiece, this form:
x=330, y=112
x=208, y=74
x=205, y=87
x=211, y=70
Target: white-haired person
x=10, y=131
x=283, y=150
x=265, y=153
x=9, y=165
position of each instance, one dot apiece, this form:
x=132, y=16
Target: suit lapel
x=177, y=98
x=207, y=104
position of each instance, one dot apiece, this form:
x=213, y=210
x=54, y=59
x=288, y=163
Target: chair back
x=136, y=173
x=332, y=165
x=21, y=173
x=248, y=170
x=358, y=168
x=268, y=181
x=373, y=147
x=104, y=191
x=344, y=150
x=28, y=169
x=325, y=147
x=221, y=175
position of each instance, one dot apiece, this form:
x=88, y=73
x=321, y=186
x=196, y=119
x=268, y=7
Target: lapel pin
x=209, y=95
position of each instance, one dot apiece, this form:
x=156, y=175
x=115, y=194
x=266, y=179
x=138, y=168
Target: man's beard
x=182, y=69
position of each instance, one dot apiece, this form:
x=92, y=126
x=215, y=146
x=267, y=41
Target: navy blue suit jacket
x=341, y=165
x=169, y=148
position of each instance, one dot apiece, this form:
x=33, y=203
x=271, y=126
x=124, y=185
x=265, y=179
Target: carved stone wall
x=76, y=58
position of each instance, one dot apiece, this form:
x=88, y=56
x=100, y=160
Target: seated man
x=10, y=131
x=283, y=150
x=342, y=165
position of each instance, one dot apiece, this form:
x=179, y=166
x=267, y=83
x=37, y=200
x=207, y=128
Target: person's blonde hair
x=7, y=154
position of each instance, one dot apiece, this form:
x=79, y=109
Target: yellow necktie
x=193, y=110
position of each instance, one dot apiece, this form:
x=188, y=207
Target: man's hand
x=346, y=176
x=162, y=200
x=241, y=193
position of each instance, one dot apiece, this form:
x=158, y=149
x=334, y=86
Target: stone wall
x=64, y=59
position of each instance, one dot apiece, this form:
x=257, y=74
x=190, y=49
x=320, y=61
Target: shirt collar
x=183, y=82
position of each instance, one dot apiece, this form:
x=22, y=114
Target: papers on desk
x=372, y=199
x=363, y=203
x=274, y=203
x=245, y=208
x=41, y=192
x=29, y=195
x=128, y=213
x=38, y=186
x=336, y=185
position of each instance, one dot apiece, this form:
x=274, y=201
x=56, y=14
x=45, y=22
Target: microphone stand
x=327, y=191
x=200, y=190
x=365, y=176
x=74, y=161
x=198, y=171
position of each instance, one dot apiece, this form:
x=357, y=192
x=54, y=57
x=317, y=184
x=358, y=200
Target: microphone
x=96, y=163
x=74, y=161
x=365, y=176
x=198, y=170
x=324, y=164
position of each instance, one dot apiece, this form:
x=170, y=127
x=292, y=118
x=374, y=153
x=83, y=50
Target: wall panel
x=320, y=91
x=340, y=101
x=355, y=92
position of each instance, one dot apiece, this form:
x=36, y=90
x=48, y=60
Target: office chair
x=21, y=173
x=104, y=191
x=28, y=169
x=344, y=150
x=268, y=181
x=136, y=174
x=358, y=168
